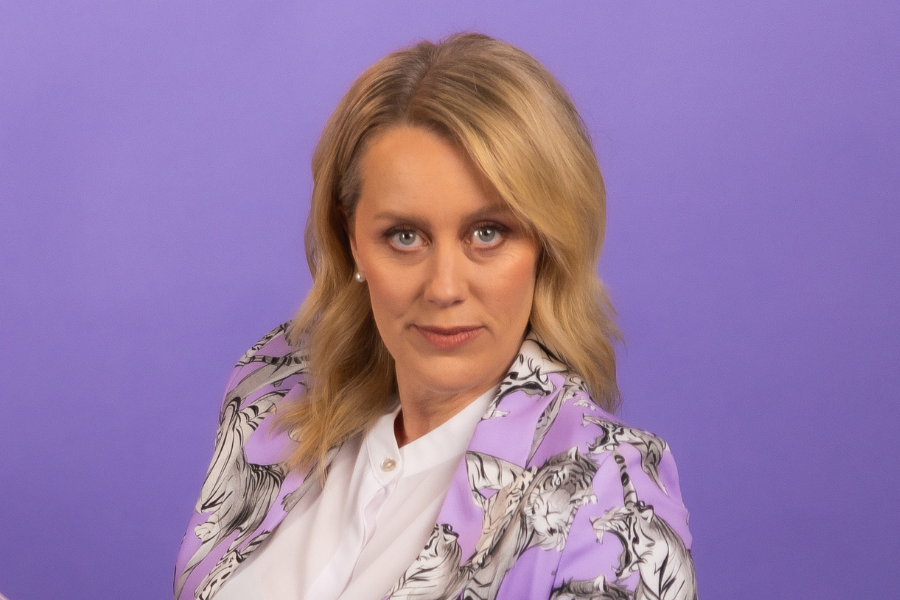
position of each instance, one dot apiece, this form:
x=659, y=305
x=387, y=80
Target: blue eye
x=406, y=239
x=487, y=235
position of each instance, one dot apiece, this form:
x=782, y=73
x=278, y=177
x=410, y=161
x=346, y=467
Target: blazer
x=556, y=499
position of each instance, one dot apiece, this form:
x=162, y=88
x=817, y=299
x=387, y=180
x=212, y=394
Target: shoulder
x=618, y=450
x=602, y=493
x=581, y=422
x=274, y=347
x=634, y=532
x=272, y=362
x=273, y=343
x=245, y=476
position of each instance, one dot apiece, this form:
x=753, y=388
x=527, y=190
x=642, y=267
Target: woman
x=435, y=422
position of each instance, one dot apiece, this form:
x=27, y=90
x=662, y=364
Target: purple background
x=153, y=188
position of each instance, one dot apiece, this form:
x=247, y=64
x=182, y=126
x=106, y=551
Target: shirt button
x=388, y=464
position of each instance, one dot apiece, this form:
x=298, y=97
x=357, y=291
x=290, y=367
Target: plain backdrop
x=154, y=184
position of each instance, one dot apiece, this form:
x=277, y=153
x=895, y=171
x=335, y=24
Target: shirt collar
x=447, y=441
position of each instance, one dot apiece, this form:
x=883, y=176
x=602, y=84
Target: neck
x=423, y=411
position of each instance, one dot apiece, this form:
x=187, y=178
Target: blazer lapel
x=501, y=447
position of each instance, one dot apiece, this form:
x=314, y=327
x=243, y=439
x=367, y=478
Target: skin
x=440, y=251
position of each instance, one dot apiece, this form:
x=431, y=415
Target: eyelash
x=500, y=229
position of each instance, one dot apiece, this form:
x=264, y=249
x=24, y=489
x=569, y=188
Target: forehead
x=411, y=169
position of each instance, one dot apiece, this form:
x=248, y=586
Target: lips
x=448, y=338
x=448, y=330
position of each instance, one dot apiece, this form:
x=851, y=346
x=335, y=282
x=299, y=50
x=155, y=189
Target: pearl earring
x=360, y=277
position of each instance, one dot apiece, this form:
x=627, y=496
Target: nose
x=446, y=283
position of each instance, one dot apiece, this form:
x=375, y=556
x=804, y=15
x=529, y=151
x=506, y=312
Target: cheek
x=391, y=296
x=513, y=284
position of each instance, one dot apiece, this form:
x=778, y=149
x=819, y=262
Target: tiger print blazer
x=555, y=500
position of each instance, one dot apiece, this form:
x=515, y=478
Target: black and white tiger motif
x=528, y=373
x=531, y=508
x=238, y=494
x=249, y=354
x=226, y=566
x=436, y=573
x=590, y=589
x=649, y=546
x=613, y=434
x=572, y=385
x=549, y=498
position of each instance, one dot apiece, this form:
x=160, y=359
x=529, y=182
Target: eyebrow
x=484, y=213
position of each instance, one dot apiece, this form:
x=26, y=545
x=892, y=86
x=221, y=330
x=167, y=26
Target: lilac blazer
x=555, y=499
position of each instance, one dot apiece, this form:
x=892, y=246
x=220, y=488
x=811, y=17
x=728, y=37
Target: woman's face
x=450, y=271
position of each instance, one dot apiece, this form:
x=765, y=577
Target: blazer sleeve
x=260, y=378
x=633, y=542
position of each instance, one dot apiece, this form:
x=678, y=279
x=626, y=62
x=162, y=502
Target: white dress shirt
x=355, y=538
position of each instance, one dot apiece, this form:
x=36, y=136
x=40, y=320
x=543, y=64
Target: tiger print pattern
x=571, y=387
x=614, y=434
x=251, y=353
x=590, y=589
x=226, y=566
x=521, y=507
x=237, y=494
x=531, y=508
x=529, y=373
x=649, y=546
x=436, y=572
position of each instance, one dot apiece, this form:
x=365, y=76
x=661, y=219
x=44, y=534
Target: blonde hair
x=515, y=121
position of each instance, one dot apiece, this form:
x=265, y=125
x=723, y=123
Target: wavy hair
x=518, y=125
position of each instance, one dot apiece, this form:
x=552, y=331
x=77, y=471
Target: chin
x=452, y=374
